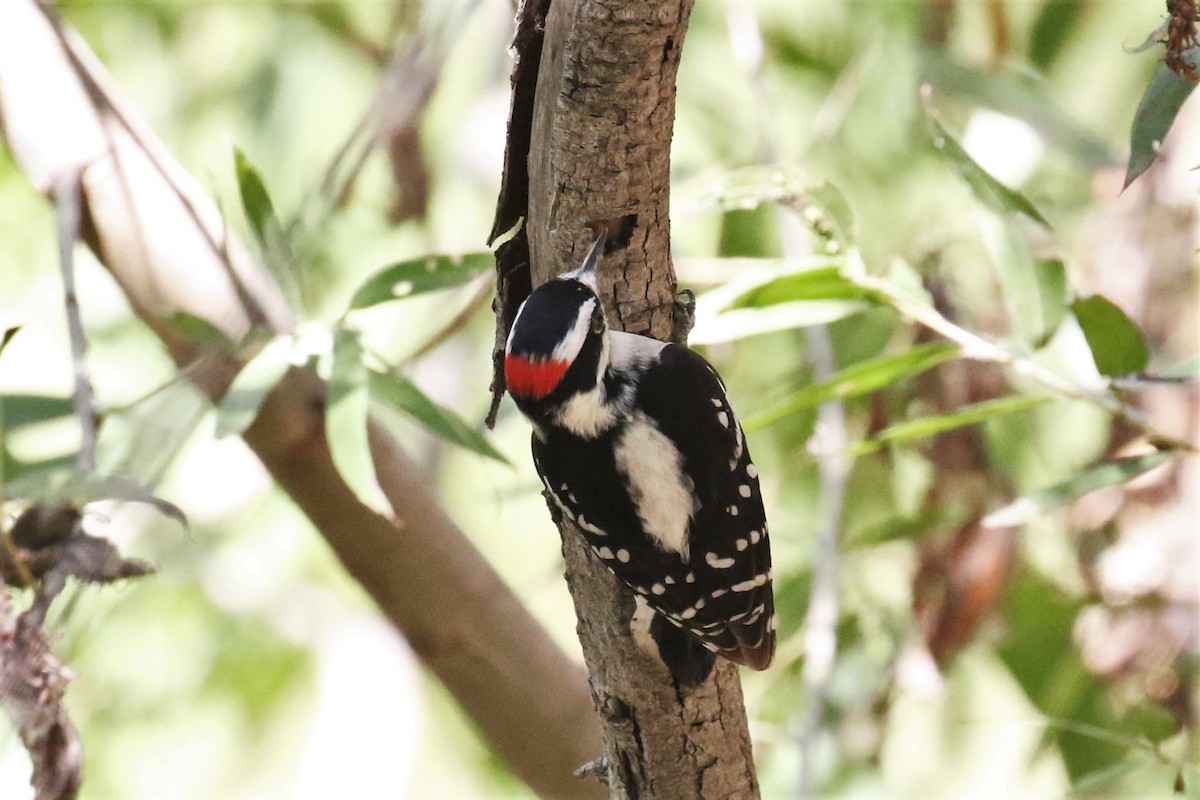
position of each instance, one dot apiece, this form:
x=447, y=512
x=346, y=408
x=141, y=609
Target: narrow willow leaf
x=824, y=283
x=924, y=427
x=741, y=323
x=1018, y=93
x=19, y=410
x=70, y=486
x=14, y=468
x=1117, y=344
x=397, y=391
x=740, y=189
x=419, y=275
x=829, y=213
x=990, y=191
x=859, y=379
x=1156, y=112
x=789, y=294
x=822, y=206
x=1108, y=473
x=256, y=201
x=1035, y=291
x=201, y=331
x=1051, y=277
x=347, y=409
x=241, y=404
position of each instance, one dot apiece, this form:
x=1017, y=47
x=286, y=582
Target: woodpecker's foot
x=685, y=315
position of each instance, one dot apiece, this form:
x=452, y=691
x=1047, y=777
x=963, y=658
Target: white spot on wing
x=605, y=553
x=723, y=418
x=658, y=588
x=744, y=490
x=718, y=563
x=661, y=492
x=623, y=556
x=688, y=613
x=751, y=471
x=741, y=544
x=589, y=527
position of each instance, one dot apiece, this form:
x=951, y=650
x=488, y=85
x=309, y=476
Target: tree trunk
x=598, y=159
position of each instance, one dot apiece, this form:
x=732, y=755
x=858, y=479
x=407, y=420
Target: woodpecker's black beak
x=586, y=271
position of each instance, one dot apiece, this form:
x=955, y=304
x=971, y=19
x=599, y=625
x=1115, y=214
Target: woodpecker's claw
x=685, y=315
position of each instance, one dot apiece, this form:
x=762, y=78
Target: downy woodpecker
x=637, y=444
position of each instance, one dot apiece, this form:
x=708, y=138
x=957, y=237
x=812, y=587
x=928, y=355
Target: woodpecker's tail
x=689, y=662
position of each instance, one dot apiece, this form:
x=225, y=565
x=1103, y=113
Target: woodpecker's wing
x=728, y=543
x=669, y=501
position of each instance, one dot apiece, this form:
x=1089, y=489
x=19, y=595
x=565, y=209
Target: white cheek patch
x=572, y=343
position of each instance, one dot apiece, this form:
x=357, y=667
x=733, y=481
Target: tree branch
x=598, y=159
x=163, y=239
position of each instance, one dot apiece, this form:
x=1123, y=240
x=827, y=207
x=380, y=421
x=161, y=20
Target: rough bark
x=598, y=160
x=163, y=239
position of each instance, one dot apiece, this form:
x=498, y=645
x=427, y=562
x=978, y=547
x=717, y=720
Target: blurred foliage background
x=1053, y=658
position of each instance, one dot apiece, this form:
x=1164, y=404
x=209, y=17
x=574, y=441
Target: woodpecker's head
x=558, y=342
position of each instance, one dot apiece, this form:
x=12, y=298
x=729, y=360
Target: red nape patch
x=532, y=378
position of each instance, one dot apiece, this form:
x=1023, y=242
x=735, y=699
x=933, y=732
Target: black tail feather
x=689, y=662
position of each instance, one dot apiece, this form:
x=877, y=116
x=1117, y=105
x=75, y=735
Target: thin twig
x=829, y=443
x=976, y=347
x=67, y=216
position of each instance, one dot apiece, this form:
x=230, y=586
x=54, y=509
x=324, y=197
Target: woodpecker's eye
x=598, y=321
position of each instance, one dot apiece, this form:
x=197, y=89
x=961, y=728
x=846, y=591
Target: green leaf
x=241, y=404
x=14, y=468
x=19, y=410
x=1117, y=344
x=397, y=391
x=419, y=275
x=1035, y=291
x=70, y=486
x=822, y=283
x=256, y=201
x=924, y=427
x=741, y=323
x=1018, y=93
x=859, y=379
x=1108, y=473
x=347, y=410
x=822, y=206
x=201, y=331
x=794, y=294
x=990, y=191
x=1156, y=112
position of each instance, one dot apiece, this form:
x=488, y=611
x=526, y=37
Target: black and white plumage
x=637, y=444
